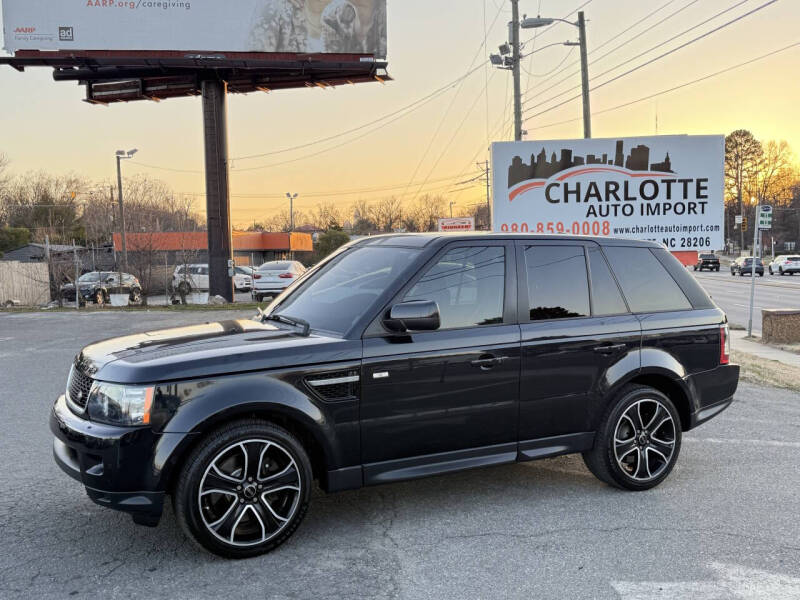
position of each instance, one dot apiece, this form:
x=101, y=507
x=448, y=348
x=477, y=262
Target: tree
x=776, y=174
x=387, y=214
x=325, y=216
x=13, y=237
x=329, y=242
x=743, y=153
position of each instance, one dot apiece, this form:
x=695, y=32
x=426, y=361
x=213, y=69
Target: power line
x=659, y=45
x=609, y=40
x=677, y=87
x=657, y=58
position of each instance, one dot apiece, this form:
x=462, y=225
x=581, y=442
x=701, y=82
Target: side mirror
x=418, y=315
x=110, y=280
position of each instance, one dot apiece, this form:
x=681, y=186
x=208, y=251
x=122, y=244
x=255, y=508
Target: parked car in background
x=707, y=261
x=97, y=287
x=785, y=265
x=272, y=278
x=744, y=265
x=188, y=278
x=399, y=357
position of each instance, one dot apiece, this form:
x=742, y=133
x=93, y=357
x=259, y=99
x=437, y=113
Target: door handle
x=488, y=362
x=610, y=349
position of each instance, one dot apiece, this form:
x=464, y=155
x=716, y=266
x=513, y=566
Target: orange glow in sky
x=44, y=125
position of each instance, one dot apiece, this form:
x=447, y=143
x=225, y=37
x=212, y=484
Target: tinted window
x=646, y=284
x=606, y=297
x=341, y=291
x=558, y=287
x=708, y=256
x=793, y=258
x=275, y=266
x=468, y=284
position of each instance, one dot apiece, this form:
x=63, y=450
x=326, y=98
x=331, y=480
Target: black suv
x=398, y=357
x=97, y=286
x=707, y=261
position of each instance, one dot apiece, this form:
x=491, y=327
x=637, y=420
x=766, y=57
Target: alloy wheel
x=249, y=492
x=644, y=440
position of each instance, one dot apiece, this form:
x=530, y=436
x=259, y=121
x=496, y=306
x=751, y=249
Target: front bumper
x=119, y=466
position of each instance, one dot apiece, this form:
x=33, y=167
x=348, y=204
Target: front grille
x=78, y=387
x=337, y=385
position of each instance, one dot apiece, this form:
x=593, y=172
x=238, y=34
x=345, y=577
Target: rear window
x=708, y=256
x=794, y=258
x=644, y=280
x=275, y=266
x=558, y=287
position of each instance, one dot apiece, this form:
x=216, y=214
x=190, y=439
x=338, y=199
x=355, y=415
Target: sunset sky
x=45, y=125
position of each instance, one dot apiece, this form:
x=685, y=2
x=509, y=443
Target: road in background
x=732, y=294
x=723, y=525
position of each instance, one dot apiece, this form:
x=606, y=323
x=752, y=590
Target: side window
x=646, y=283
x=558, y=287
x=468, y=284
x=606, y=298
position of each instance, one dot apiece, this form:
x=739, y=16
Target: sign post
x=764, y=221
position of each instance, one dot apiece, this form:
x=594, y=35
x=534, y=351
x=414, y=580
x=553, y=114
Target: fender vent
x=337, y=385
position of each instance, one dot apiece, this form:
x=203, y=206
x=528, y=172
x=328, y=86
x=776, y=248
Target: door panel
x=563, y=371
x=439, y=391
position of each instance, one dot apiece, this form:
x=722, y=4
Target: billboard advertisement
x=457, y=224
x=294, y=26
x=668, y=189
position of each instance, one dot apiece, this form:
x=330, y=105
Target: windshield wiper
x=304, y=325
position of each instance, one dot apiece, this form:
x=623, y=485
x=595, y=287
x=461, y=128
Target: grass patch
x=761, y=371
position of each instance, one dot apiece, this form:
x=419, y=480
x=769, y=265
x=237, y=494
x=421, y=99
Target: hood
x=223, y=347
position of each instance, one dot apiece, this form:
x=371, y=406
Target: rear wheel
x=184, y=288
x=244, y=490
x=638, y=441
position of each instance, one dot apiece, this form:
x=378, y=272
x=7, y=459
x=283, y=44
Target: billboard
x=457, y=224
x=667, y=189
x=294, y=26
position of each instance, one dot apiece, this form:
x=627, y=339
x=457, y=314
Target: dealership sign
x=457, y=224
x=293, y=26
x=667, y=189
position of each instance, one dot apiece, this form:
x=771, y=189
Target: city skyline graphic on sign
x=540, y=168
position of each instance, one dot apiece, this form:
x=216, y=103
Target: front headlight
x=116, y=404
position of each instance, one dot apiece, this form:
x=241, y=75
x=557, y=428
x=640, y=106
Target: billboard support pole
x=218, y=207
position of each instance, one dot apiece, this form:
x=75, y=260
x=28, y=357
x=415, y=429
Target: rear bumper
x=711, y=392
x=120, y=467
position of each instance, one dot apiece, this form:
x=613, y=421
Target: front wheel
x=638, y=441
x=244, y=490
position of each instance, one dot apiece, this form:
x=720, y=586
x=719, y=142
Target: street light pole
x=515, y=69
x=122, y=155
x=292, y=198
x=587, y=112
x=535, y=22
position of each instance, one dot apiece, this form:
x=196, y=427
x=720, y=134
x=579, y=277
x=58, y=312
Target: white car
x=187, y=278
x=273, y=277
x=785, y=265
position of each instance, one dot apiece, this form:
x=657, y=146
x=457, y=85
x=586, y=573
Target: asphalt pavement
x=732, y=294
x=723, y=525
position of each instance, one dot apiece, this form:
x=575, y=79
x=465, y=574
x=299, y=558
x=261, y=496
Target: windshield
x=89, y=277
x=337, y=295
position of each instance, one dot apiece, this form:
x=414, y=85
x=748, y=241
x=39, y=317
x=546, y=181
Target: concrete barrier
x=780, y=325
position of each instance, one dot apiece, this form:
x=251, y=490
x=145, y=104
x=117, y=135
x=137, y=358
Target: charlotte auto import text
x=675, y=197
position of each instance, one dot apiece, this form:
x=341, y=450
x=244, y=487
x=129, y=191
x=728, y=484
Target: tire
x=780, y=270
x=99, y=298
x=258, y=297
x=254, y=522
x=761, y=274
x=622, y=464
x=184, y=288
x=695, y=268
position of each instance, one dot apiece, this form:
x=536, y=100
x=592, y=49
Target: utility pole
x=515, y=67
x=451, y=209
x=587, y=112
x=756, y=230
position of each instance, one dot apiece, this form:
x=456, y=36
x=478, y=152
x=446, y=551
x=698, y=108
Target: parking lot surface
x=723, y=525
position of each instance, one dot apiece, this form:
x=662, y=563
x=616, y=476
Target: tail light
x=724, y=345
x=256, y=276
x=286, y=276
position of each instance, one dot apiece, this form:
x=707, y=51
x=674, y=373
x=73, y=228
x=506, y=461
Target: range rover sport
x=398, y=357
